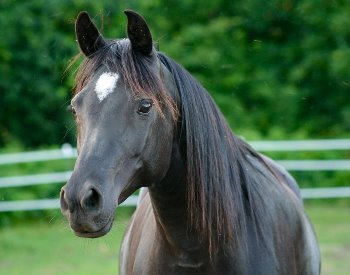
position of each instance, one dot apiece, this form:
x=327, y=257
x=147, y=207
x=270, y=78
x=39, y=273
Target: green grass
x=332, y=226
x=49, y=247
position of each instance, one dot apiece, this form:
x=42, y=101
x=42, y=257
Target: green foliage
x=276, y=64
x=272, y=66
x=36, y=43
x=32, y=94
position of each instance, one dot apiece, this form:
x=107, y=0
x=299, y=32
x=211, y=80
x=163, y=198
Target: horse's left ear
x=139, y=33
x=89, y=38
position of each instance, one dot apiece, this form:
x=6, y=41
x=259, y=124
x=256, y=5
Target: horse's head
x=125, y=121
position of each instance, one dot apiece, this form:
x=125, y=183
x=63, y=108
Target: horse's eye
x=145, y=106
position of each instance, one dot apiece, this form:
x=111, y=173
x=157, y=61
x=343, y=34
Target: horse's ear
x=89, y=38
x=139, y=33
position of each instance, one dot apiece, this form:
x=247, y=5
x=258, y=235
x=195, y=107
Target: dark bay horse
x=210, y=204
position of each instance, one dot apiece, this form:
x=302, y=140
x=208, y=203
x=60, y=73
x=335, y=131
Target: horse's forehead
x=102, y=84
x=106, y=84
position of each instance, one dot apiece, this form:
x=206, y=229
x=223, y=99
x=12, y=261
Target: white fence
x=67, y=152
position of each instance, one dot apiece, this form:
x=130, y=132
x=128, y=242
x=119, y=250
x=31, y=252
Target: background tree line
x=277, y=69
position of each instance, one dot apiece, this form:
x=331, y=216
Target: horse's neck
x=170, y=208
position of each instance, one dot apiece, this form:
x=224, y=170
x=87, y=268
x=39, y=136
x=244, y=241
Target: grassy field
x=49, y=247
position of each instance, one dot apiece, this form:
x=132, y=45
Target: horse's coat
x=211, y=204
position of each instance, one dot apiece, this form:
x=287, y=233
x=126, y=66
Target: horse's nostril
x=91, y=200
x=63, y=202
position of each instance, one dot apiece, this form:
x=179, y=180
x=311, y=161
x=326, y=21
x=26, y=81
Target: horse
x=209, y=203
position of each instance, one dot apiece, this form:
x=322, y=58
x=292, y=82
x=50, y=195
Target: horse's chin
x=94, y=234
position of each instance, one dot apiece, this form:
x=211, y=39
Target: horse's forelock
x=135, y=70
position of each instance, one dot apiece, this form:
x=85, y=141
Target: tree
x=277, y=65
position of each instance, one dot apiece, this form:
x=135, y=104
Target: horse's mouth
x=94, y=234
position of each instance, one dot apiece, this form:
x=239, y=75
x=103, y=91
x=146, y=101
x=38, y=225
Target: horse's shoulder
x=283, y=175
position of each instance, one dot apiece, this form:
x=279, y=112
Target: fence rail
x=68, y=152
x=37, y=179
x=301, y=145
x=29, y=205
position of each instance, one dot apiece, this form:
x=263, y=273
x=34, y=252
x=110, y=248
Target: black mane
x=227, y=180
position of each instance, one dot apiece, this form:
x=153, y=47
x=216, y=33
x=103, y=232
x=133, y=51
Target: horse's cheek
x=158, y=151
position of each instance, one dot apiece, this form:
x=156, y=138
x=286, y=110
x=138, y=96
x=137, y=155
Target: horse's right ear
x=139, y=33
x=89, y=38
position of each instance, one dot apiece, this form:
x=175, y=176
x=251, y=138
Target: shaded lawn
x=49, y=247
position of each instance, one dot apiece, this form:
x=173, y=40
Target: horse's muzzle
x=89, y=200
x=85, y=212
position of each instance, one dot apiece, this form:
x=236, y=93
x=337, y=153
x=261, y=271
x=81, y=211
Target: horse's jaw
x=127, y=192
